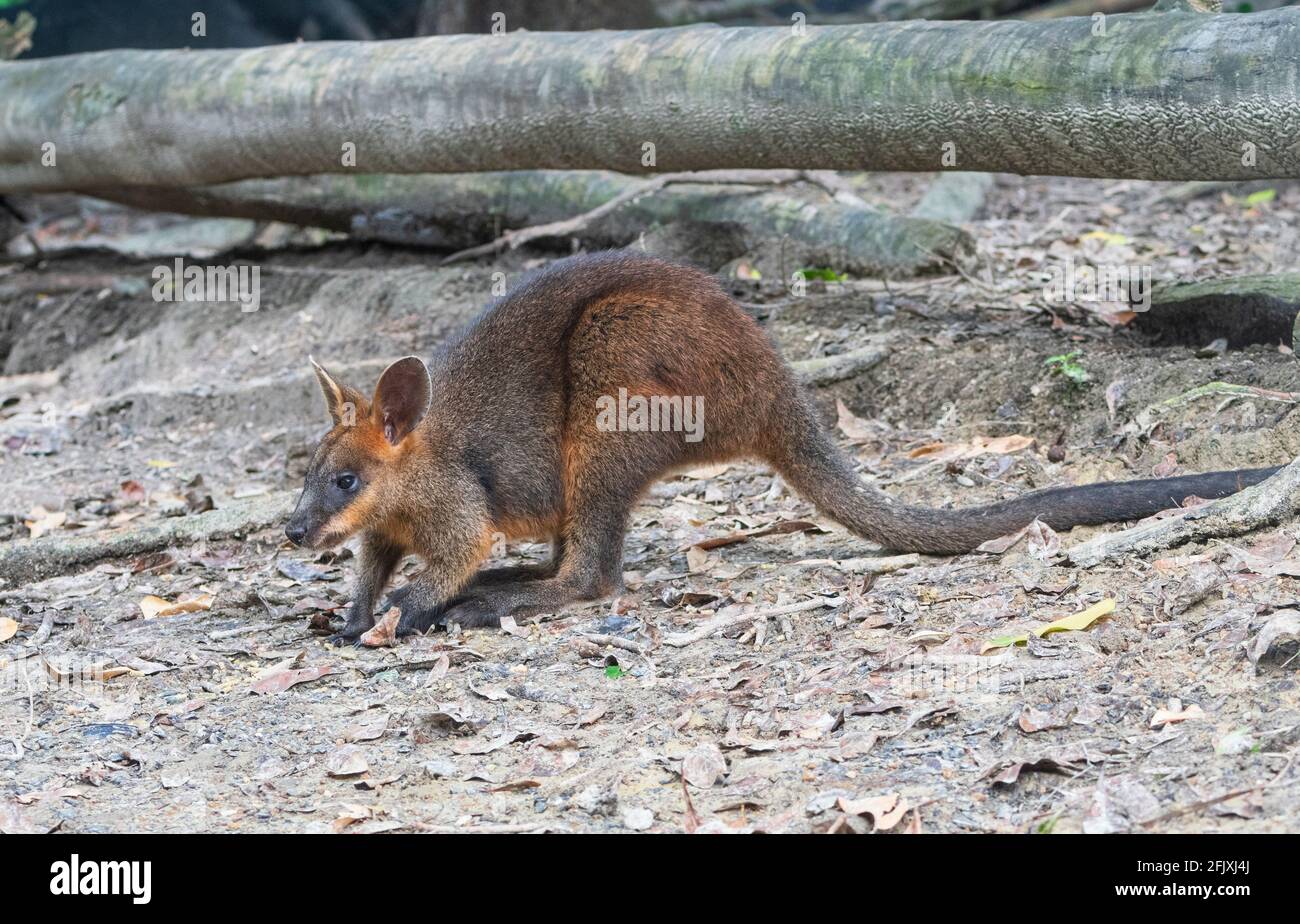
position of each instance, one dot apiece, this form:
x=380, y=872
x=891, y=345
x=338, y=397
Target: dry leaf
x=851, y=425
x=638, y=819
x=706, y=472
x=367, y=730
x=42, y=521
x=1174, y=712
x=1035, y=720
x=885, y=811
x=510, y=627
x=282, y=678
x=979, y=445
x=704, y=765
x=348, y=760
x=12, y=820
x=383, y=634
x=439, y=670
x=157, y=608
x=350, y=815
x=8, y=628
x=1284, y=625
x=1043, y=542
x=697, y=560
x=1166, y=467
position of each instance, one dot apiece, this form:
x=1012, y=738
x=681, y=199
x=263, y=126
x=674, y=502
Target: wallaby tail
x=809, y=460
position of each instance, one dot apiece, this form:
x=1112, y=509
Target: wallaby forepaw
x=341, y=640
x=351, y=632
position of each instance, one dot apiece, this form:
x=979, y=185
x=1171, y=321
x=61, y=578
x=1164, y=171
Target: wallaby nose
x=295, y=533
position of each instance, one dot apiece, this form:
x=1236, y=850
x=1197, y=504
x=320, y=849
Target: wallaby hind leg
x=592, y=567
x=489, y=577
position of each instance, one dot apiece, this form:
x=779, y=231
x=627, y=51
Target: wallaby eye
x=346, y=482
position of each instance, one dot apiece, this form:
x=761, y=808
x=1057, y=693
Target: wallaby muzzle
x=305, y=522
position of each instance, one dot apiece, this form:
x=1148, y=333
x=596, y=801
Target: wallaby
x=512, y=432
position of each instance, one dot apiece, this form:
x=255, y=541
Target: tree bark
x=1157, y=96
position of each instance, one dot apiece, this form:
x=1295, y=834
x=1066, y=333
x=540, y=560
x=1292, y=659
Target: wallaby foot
x=419, y=619
x=472, y=613
x=487, y=606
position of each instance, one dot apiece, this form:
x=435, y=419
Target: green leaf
x=614, y=672
x=824, y=273
x=1262, y=196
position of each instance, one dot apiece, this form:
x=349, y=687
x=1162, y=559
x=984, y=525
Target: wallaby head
x=352, y=476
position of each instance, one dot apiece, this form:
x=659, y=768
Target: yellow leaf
x=152, y=607
x=8, y=628
x=1107, y=237
x=1075, y=623
x=160, y=463
x=1079, y=621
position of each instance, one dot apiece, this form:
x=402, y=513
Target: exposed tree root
x=31, y=560
x=1265, y=504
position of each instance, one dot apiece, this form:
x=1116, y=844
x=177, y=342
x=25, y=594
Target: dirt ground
x=868, y=707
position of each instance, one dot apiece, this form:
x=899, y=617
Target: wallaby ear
x=402, y=398
x=343, y=403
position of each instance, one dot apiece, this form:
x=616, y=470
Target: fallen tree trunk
x=464, y=210
x=954, y=197
x=1157, y=96
x=1239, y=309
x=28, y=560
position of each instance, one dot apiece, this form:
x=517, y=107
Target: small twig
x=427, y=828
x=42, y=634
x=719, y=623
x=626, y=645
x=1222, y=797
x=31, y=719
x=880, y=564
x=242, y=630
x=421, y=665
x=615, y=642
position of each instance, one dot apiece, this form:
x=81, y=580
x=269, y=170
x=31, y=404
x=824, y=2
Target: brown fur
x=501, y=438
